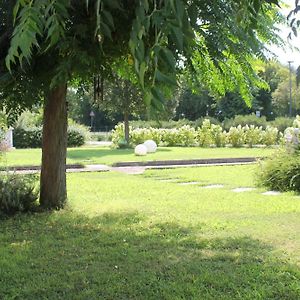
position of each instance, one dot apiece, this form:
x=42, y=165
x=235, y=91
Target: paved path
x=125, y=169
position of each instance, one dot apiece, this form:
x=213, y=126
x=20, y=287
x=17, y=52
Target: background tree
x=281, y=97
x=122, y=96
x=52, y=42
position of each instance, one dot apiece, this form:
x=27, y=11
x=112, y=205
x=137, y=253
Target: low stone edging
x=36, y=168
x=186, y=162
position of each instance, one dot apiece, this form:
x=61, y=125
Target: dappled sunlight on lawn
x=114, y=256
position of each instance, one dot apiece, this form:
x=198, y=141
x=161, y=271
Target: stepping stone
x=243, y=189
x=130, y=170
x=188, y=183
x=271, y=193
x=213, y=186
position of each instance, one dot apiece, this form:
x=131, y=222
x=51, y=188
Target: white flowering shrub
x=186, y=136
x=219, y=136
x=139, y=136
x=170, y=137
x=206, y=136
x=291, y=138
x=156, y=135
x=236, y=136
x=296, y=123
x=118, y=135
x=270, y=136
x=252, y=135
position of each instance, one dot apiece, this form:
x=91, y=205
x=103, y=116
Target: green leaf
x=142, y=71
x=147, y=98
x=167, y=56
x=177, y=36
x=157, y=99
x=164, y=78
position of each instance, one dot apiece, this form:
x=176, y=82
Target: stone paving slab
x=271, y=193
x=213, y=186
x=129, y=170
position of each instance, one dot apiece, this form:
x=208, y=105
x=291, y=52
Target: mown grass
x=135, y=237
x=105, y=155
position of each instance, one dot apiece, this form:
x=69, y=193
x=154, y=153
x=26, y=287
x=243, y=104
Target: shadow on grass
x=65, y=256
x=89, y=154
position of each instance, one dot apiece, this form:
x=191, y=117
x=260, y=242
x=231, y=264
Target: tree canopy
x=54, y=41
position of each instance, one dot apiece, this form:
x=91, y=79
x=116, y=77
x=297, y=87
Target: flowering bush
x=186, y=136
x=236, y=136
x=205, y=136
x=170, y=137
x=252, y=135
x=118, y=135
x=270, y=136
x=291, y=136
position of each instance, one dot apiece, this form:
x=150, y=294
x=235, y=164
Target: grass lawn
x=135, y=237
x=105, y=155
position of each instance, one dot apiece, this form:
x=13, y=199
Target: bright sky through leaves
x=288, y=54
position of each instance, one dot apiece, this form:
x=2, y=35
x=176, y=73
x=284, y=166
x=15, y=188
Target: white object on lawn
x=140, y=150
x=151, y=146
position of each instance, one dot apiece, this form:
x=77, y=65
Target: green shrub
x=18, y=193
x=27, y=137
x=199, y=122
x=171, y=124
x=32, y=137
x=245, y=120
x=76, y=136
x=29, y=119
x=282, y=123
x=280, y=172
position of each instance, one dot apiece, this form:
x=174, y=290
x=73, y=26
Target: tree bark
x=53, y=193
x=126, y=126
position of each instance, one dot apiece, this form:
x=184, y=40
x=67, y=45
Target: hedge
x=32, y=137
x=205, y=136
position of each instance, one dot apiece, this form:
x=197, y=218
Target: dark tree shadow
x=88, y=154
x=66, y=256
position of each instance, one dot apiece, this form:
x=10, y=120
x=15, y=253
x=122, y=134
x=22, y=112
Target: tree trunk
x=126, y=127
x=53, y=192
